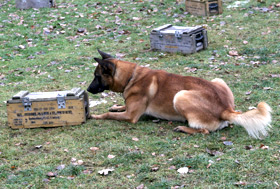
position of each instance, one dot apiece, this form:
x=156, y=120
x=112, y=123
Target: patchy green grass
x=41, y=50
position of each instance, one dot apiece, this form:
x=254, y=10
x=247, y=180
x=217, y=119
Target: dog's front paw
x=93, y=116
x=203, y=131
x=117, y=108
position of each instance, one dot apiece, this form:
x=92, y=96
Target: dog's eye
x=98, y=77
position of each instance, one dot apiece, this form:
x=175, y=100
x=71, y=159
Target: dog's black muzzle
x=96, y=87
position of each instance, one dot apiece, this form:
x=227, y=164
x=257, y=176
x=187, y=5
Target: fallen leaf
x=46, y=31
x=105, y=171
x=141, y=186
x=98, y=27
x=183, y=170
x=51, y=174
x=96, y=102
x=21, y=46
x=248, y=92
x=94, y=149
x=87, y=172
x=222, y=23
x=120, y=55
x=249, y=147
x=130, y=176
x=192, y=70
x=209, y=165
x=213, y=152
x=228, y=143
x=267, y=88
x=73, y=159
x=172, y=167
x=46, y=180
x=80, y=162
x=60, y=167
x=135, y=139
x=81, y=30
x=111, y=156
x=70, y=177
x=233, y=53
x=271, y=75
x=245, y=42
x=38, y=146
x=119, y=10
x=2, y=76
x=83, y=83
x=240, y=183
x=136, y=18
x=154, y=168
x=264, y=147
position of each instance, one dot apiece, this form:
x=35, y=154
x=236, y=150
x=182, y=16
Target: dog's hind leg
x=190, y=130
x=198, y=110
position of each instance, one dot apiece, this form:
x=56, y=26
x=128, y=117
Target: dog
x=206, y=105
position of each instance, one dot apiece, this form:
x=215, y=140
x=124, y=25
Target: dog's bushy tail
x=256, y=121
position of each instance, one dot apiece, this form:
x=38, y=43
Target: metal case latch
x=27, y=104
x=199, y=39
x=159, y=34
x=178, y=34
x=61, y=101
x=213, y=7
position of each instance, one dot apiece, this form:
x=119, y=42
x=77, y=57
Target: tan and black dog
x=206, y=105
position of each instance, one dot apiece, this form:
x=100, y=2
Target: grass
x=40, y=50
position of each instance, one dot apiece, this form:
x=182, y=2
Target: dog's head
x=103, y=75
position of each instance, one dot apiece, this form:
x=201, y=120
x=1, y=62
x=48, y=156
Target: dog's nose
x=88, y=89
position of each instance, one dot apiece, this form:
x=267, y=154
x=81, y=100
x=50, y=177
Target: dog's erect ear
x=98, y=60
x=104, y=55
x=107, y=67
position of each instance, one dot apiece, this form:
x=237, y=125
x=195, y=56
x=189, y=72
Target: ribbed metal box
x=181, y=39
x=27, y=4
x=204, y=7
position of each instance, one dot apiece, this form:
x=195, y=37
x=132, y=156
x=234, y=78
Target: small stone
x=60, y=167
x=81, y=30
x=51, y=174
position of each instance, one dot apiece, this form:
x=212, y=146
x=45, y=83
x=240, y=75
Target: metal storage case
x=179, y=39
x=27, y=4
x=204, y=7
x=48, y=109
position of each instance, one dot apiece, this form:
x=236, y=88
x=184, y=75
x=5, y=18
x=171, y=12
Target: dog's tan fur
x=206, y=105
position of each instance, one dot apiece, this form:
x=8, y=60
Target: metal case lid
x=170, y=29
x=74, y=93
